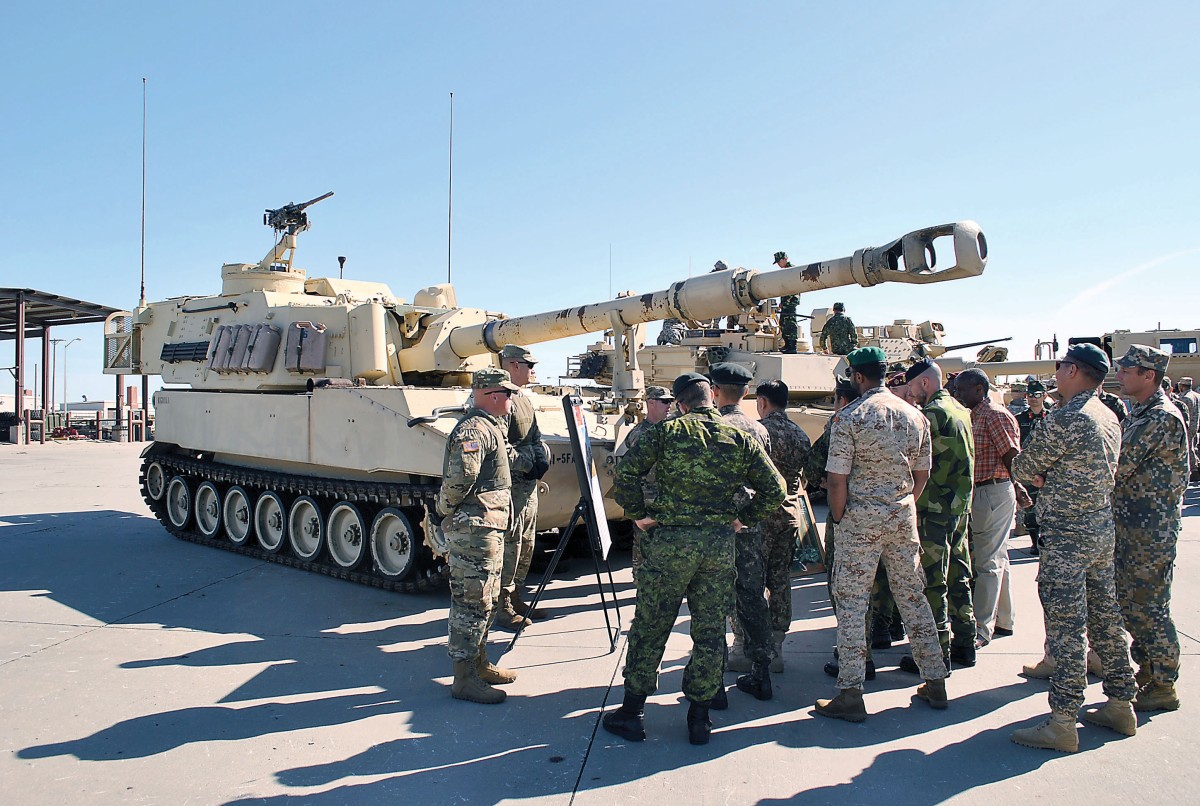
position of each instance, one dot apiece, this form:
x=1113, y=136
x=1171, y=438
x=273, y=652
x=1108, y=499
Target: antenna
x=142, y=295
x=610, y=271
x=450, y=202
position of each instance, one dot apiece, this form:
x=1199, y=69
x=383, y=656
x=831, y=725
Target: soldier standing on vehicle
x=530, y=461
x=879, y=457
x=476, y=506
x=789, y=327
x=1072, y=458
x=702, y=463
x=839, y=332
x=782, y=528
x=1148, y=510
x=658, y=405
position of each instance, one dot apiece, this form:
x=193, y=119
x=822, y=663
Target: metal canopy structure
x=29, y=313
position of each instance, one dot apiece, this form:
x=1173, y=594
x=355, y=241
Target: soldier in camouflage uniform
x=475, y=505
x=672, y=332
x=1027, y=422
x=1189, y=400
x=753, y=648
x=781, y=529
x=879, y=458
x=839, y=332
x=702, y=463
x=530, y=461
x=1147, y=508
x=658, y=405
x=942, y=515
x=789, y=328
x=1072, y=459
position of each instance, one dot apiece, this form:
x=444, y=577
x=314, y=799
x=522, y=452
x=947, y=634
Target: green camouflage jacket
x=951, y=477
x=840, y=333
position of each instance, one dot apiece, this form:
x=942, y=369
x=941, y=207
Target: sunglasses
x=505, y=392
x=1059, y=364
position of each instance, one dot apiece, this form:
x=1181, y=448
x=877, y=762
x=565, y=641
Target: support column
x=46, y=369
x=19, y=406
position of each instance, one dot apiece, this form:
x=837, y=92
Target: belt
x=992, y=481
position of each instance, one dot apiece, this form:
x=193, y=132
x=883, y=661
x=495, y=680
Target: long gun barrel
x=976, y=343
x=909, y=259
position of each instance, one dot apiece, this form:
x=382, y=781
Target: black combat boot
x=757, y=682
x=720, y=700
x=698, y=724
x=962, y=655
x=627, y=721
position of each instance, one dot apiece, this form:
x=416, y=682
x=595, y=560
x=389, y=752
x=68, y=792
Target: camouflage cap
x=492, y=377
x=779, y=256
x=658, y=393
x=1146, y=357
x=839, y=306
x=730, y=373
x=685, y=380
x=515, y=352
x=866, y=355
x=1088, y=354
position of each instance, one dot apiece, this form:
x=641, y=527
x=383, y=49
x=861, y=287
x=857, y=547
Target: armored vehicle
x=304, y=419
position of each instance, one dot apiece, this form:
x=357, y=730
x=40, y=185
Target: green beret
x=685, y=380
x=730, y=373
x=866, y=355
x=493, y=377
x=1088, y=354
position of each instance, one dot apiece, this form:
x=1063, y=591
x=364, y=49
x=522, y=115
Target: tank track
x=425, y=576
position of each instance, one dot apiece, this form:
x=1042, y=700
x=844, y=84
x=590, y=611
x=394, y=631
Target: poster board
x=585, y=471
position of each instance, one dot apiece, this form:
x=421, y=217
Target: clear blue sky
x=679, y=133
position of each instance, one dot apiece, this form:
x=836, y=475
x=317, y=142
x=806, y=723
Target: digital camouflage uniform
x=1147, y=508
x=1189, y=403
x=839, y=332
x=476, y=506
x=672, y=332
x=529, y=456
x=1076, y=449
x=789, y=453
x=942, y=516
x=1114, y=403
x=753, y=621
x=649, y=490
x=878, y=441
x=701, y=461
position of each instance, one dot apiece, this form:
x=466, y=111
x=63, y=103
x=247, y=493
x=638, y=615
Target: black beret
x=685, y=380
x=732, y=374
x=918, y=368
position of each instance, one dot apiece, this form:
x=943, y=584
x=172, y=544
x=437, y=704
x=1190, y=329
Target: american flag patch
x=470, y=446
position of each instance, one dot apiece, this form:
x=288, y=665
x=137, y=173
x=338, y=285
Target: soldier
x=1027, y=421
x=672, y=332
x=879, y=455
x=1189, y=401
x=1147, y=509
x=702, y=462
x=943, y=511
x=753, y=648
x=839, y=332
x=530, y=461
x=789, y=328
x=476, y=506
x=789, y=453
x=1072, y=458
x=658, y=405
x=1020, y=397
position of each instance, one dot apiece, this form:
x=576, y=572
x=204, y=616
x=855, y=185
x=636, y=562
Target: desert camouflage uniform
x=942, y=514
x=528, y=450
x=878, y=441
x=649, y=490
x=753, y=621
x=476, y=506
x=839, y=332
x=1076, y=449
x=701, y=461
x=789, y=452
x=1147, y=508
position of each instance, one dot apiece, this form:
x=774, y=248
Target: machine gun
x=291, y=217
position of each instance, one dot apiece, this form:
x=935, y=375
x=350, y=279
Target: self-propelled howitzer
x=305, y=419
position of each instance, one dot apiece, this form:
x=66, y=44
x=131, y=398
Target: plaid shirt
x=996, y=432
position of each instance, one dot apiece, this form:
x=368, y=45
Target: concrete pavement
x=140, y=668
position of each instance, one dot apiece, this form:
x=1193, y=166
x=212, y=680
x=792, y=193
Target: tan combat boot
x=738, y=662
x=1056, y=733
x=1145, y=674
x=468, y=686
x=522, y=609
x=506, y=617
x=934, y=693
x=847, y=705
x=1040, y=670
x=489, y=673
x=777, y=664
x=1094, y=664
x=1115, y=714
x=1156, y=697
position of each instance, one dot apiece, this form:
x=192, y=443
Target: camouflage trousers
x=779, y=539
x=475, y=557
x=696, y=562
x=1144, y=569
x=518, y=540
x=1078, y=593
x=1030, y=515
x=639, y=557
x=861, y=545
x=946, y=561
x=788, y=327
x=753, y=614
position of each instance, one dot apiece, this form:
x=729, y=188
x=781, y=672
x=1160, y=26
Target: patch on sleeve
x=471, y=446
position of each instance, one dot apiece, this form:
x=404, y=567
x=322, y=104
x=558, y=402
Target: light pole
x=65, y=398
x=53, y=372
